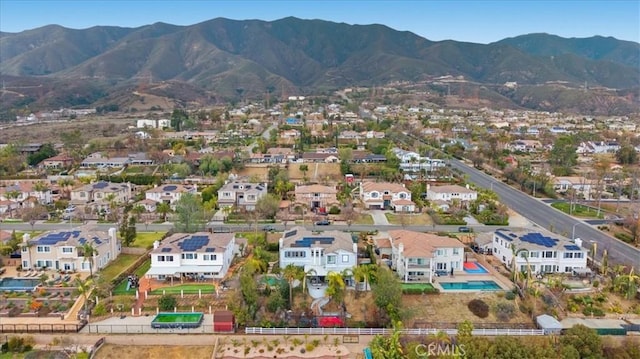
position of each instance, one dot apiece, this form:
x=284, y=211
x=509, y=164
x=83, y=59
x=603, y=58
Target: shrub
x=334, y=210
x=479, y=308
x=167, y=302
x=624, y=237
x=595, y=283
x=99, y=309
x=505, y=311
x=510, y=296
x=412, y=291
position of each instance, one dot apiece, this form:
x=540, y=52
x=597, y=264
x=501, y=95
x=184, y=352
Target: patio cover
x=548, y=323
x=183, y=269
x=581, y=271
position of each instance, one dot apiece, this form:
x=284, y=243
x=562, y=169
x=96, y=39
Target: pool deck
x=461, y=278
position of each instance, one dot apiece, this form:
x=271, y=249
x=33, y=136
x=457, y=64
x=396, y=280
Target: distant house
x=61, y=250
x=315, y=157
x=381, y=195
x=25, y=190
x=140, y=158
x=57, y=162
x=101, y=193
x=530, y=146
x=241, y=194
x=451, y=192
x=582, y=186
x=169, y=193
x=97, y=160
x=198, y=255
x=418, y=256
x=316, y=196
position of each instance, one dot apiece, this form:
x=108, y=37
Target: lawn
x=417, y=285
x=578, y=210
x=117, y=266
x=365, y=219
x=146, y=239
x=187, y=288
x=418, y=219
x=121, y=288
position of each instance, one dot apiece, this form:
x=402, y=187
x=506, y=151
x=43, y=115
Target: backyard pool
x=18, y=284
x=177, y=320
x=474, y=268
x=477, y=285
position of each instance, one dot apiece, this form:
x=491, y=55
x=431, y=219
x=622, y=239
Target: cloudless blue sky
x=473, y=21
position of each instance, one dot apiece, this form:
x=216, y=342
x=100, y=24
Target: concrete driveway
x=379, y=219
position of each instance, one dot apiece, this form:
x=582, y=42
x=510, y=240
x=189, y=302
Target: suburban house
x=418, y=256
x=21, y=191
x=57, y=162
x=319, y=157
x=62, y=250
x=538, y=251
x=579, y=184
x=412, y=161
x=197, y=255
x=319, y=253
x=382, y=195
x=530, y=146
x=97, y=160
x=451, y=192
x=102, y=193
x=169, y=193
x=597, y=147
x=240, y=194
x=316, y=197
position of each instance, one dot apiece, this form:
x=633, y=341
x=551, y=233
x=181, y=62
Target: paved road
x=547, y=217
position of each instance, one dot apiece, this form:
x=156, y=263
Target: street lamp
x=573, y=231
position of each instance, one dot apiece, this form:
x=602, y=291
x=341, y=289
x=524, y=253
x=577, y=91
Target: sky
x=472, y=20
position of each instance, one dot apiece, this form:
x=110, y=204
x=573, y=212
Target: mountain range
x=224, y=59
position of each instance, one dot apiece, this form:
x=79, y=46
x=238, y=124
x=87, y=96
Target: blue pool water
x=18, y=284
x=477, y=285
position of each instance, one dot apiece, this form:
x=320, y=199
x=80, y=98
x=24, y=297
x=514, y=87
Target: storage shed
x=223, y=321
x=548, y=324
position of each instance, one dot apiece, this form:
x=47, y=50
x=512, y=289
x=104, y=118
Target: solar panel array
x=504, y=236
x=572, y=247
x=210, y=250
x=193, y=243
x=54, y=238
x=101, y=185
x=539, y=239
x=165, y=250
x=291, y=233
x=97, y=240
x=306, y=242
x=169, y=188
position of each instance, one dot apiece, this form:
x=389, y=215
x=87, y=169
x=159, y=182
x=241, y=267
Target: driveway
x=379, y=219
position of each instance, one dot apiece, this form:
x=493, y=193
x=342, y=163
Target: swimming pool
x=474, y=268
x=18, y=284
x=475, y=285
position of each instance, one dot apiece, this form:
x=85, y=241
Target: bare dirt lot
x=110, y=351
x=50, y=132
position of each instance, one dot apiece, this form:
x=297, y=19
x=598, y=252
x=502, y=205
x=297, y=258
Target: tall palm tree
x=310, y=272
x=83, y=288
x=88, y=252
x=163, y=208
x=40, y=187
x=65, y=186
x=335, y=286
x=291, y=273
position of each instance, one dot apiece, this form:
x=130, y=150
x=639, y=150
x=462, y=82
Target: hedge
x=426, y=290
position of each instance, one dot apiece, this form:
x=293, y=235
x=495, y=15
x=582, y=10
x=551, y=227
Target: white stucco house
x=541, y=251
x=418, y=256
x=451, y=192
x=381, y=195
x=169, y=193
x=197, y=255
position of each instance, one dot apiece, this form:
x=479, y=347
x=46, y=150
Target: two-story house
x=240, y=194
x=538, y=251
x=383, y=195
x=418, y=256
x=316, y=197
x=581, y=186
x=451, y=192
x=60, y=161
x=169, y=193
x=102, y=193
x=196, y=255
x=20, y=191
x=318, y=253
x=63, y=250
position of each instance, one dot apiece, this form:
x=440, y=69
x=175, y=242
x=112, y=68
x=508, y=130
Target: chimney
x=400, y=248
x=113, y=243
x=428, y=187
x=156, y=244
x=281, y=242
x=578, y=242
x=26, y=238
x=355, y=249
x=467, y=186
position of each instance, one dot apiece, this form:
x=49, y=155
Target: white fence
x=385, y=331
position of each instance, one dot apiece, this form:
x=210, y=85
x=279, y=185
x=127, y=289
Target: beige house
x=62, y=250
x=169, y=193
x=316, y=196
x=102, y=193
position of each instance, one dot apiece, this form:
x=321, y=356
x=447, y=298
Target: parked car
x=464, y=229
x=324, y=222
x=269, y=228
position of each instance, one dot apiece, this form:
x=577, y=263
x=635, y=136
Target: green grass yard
x=146, y=239
x=187, y=288
x=417, y=286
x=578, y=210
x=417, y=219
x=117, y=266
x=121, y=288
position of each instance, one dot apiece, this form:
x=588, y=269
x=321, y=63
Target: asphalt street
x=548, y=217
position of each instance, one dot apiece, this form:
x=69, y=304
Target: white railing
x=386, y=331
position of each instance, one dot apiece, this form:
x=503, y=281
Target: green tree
x=84, y=288
x=388, y=347
x=12, y=245
x=291, y=273
x=190, y=213
x=163, y=208
x=335, y=286
x=46, y=151
x=304, y=168
x=88, y=252
x=267, y=206
x=585, y=340
x=627, y=155
x=563, y=156
x=178, y=118
x=387, y=293
x=210, y=165
x=167, y=303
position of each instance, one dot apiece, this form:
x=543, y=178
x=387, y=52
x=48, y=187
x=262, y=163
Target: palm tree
x=138, y=210
x=84, y=289
x=627, y=284
x=65, y=185
x=12, y=195
x=40, y=187
x=163, y=208
x=441, y=338
x=335, y=286
x=88, y=252
x=290, y=273
x=310, y=272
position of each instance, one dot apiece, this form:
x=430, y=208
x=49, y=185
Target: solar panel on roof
x=101, y=185
x=165, y=250
x=97, y=241
x=169, y=188
x=210, y=250
x=291, y=233
x=572, y=247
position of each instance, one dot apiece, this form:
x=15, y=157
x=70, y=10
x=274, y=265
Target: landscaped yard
x=417, y=285
x=578, y=210
x=117, y=266
x=365, y=219
x=146, y=239
x=121, y=288
x=409, y=219
x=187, y=288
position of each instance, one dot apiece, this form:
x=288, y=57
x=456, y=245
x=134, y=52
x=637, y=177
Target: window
x=568, y=255
x=67, y=266
x=295, y=254
x=25, y=264
x=43, y=249
x=567, y=269
x=549, y=254
x=439, y=252
x=402, y=195
x=331, y=259
x=441, y=266
x=374, y=194
x=577, y=255
x=189, y=256
x=210, y=257
x=456, y=251
x=67, y=249
x=533, y=254
x=345, y=258
x=169, y=258
x=160, y=258
x=25, y=249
